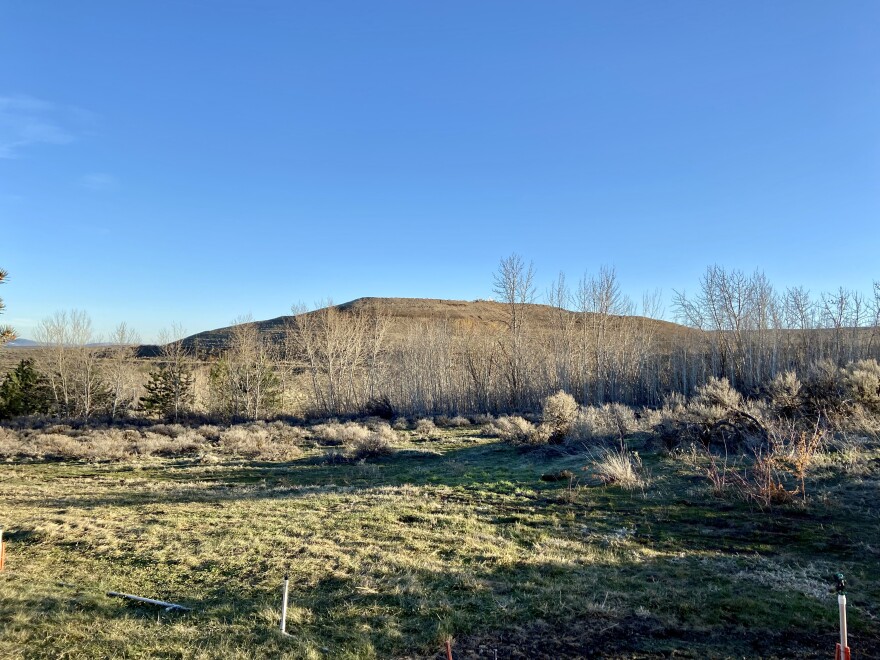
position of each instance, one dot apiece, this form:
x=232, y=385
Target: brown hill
x=403, y=313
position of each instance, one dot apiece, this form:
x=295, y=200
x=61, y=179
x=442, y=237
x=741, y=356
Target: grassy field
x=454, y=537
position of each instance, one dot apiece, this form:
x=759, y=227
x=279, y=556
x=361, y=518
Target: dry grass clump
x=619, y=467
x=849, y=454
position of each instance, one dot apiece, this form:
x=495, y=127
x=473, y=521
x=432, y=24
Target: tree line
x=589, y=340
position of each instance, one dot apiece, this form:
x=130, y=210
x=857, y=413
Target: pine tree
x=24, y=391
x=169, y=391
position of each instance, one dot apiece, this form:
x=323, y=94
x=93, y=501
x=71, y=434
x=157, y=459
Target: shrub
x=824, y=389
x=258, y=441
x=375, y=443
x=611, y=421
x=335, y=433
x=446, y=422
x=512, y=429
x=786, y=394
x=558, y=414
x=426, y=429
x=862, y=383
x=717, y=393
x=401, y=424
x=379, y=406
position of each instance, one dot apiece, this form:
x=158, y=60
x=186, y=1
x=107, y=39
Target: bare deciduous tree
x=73, y=364
x=120, y=372
x=515, y=288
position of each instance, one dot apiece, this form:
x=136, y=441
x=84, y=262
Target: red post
x=448, y=649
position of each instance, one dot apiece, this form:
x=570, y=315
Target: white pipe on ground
x=284, y=606
x=841, y=602
x=151, y=601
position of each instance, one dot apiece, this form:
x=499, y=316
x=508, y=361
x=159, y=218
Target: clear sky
x=191, y=161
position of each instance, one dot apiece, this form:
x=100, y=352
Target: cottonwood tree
x=598, y=298
x=245, y=381
x=7, y=334
x=513, y=284
x=341, y=351
x=120, y=374
x=73, y=364
x=562, y=333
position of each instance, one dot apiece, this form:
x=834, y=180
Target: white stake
x=284, y=607
x=841, y=602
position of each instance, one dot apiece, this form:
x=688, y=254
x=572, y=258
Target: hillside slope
x=404, y=312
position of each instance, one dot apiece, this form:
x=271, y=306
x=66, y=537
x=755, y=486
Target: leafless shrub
x=760, y=479
x=209, y=432
x=289, y=433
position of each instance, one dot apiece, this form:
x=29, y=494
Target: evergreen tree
x=24, y=391
x=169, y=391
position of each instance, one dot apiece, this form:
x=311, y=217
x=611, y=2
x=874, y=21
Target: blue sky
x=194, y=161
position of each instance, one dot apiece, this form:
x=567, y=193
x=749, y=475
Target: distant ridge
x=21, y=342
x=404, y=312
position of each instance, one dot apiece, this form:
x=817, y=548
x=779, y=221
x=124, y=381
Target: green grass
x=455, y=537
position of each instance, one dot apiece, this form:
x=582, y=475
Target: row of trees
x=589, y=340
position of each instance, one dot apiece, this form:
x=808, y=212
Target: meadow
x=509, y=551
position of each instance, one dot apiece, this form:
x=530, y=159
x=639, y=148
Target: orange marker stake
x=2, y=551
